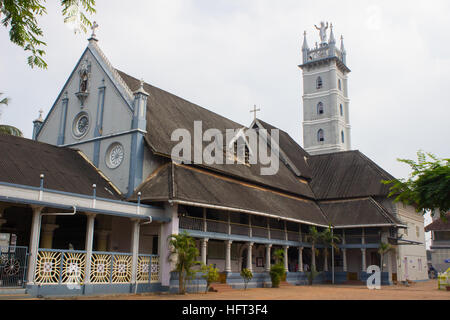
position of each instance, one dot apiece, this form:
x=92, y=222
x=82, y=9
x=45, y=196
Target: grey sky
x=227, y=55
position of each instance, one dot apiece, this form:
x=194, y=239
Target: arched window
x=342, y=137
x=320, y=136
x=339, y=84
x=319, y=83
x=320, y=108
x=341, y=109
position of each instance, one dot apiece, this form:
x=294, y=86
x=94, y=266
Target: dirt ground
x=417, y=291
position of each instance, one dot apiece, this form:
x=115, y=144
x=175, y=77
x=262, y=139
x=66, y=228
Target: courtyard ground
x=417, y=291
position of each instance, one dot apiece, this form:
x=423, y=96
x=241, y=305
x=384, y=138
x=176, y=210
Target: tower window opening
x=342, y=137
x=319, y=83
x=320, y=136
x=340, y=84
x=341, y=109
x=320, y=109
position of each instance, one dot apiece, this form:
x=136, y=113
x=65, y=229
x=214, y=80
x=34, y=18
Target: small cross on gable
x=94, y=27
x=254, y=111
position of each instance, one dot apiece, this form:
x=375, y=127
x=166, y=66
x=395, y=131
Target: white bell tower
x=326, y=124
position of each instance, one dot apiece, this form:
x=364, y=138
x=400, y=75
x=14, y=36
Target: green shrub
x=247, y=275
x=276, y=274
x=210, y=274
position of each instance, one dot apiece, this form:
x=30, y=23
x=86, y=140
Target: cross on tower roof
x=93, y=27
x=254, y=111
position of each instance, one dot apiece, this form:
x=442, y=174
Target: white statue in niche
x=322, y=31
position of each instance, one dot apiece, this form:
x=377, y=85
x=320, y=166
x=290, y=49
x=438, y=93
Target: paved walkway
x=417, y=291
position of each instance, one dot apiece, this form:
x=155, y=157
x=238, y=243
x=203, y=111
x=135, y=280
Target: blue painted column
x=137, y=140
x=98, y=131
x=63, y=119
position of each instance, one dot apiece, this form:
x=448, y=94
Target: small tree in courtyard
x=384, y=248
x=185, y=251
x=247, y=275
x=277, y=271
x=210, y=274
x=329, y=239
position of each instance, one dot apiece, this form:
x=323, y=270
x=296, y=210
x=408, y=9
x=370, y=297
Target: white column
x=286, y=258
x=268, y=247
x=48, y=228
x=300, y=259
x=249, y=256
x=344, y=260
x=167, y=229
x=363, y=251
x=34, y=242
x=204, y=250
x=88, y=247
x=228, y=255
x=205, y=228
x=135, y=249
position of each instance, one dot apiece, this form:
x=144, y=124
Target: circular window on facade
x=114, y=155
x=81, y=125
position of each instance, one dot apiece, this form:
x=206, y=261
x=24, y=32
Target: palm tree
x=5, y=129
x=314, y=237
x=329, y=239
x=384, y=248
x=184, y=249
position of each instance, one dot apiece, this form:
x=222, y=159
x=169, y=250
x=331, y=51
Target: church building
x=87, y=206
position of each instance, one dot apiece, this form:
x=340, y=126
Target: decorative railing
x=277, y=234
x=260, y=232
x=293, y=236
x=216, y=226
x=240, y=229
x=69, y=267
x=189, y=223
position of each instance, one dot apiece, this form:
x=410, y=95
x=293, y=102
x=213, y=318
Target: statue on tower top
x=322, y=31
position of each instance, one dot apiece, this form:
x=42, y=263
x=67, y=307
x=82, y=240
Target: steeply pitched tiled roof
x=364, y=211
x=347, y=174
x=22, y=161
x=167, y=112
x=293, y=151
x=186, y=183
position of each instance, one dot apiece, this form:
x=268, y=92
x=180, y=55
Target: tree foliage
x=210, y=274
x=428, y=187
x=247, y=275
x=5, y=129
x=185, y=251
x=20, y=16
x=382, y=250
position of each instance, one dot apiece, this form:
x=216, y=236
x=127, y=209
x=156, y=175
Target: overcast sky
x=227, y=55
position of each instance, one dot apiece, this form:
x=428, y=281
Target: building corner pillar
x=268, y=256
x=300, y=259
x=228, y=256
x=249, y=256
x=89, y=245
x=34, y=242
x=135, y=249
x=204, y=250
x=286, y=259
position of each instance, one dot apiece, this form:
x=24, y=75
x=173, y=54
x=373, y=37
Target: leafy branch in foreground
x=428, y=187
x=21, y=18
